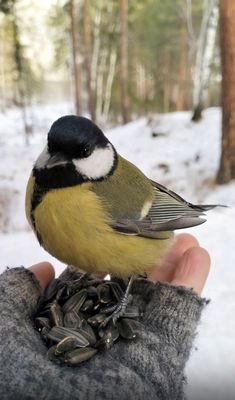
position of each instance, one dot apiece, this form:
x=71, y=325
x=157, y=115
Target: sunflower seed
x=57, y=333
x=72, y=319
x=44, y=332
x=96, y=319
x=90, y=336
x=97, y=306
x=108, y=336
x=128, y=328
x=85, y=327
x=71, y=315
x=92, y=291
x=61, y=294
x=92, y=282
x=77, y=356
x=87, y=305
x=75, y=302
x=55, y=314
x=42, y=322
x=116, y=291
x=104, y=294
x=51, y=354
x=66, y=344
x=109, y=332
x=51, y=290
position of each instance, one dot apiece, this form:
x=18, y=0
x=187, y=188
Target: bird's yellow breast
x=75, y=227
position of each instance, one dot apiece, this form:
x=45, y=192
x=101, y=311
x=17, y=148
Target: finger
x=44, y=273
x=193, y=269
x=165, y=271
x=182, y=243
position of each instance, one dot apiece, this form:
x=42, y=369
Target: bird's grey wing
x=168, y=212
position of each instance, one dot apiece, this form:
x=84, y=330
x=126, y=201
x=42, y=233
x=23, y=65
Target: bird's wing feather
x=168, y=212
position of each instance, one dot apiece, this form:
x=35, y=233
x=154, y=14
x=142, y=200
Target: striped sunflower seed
x=57, y=333
x=75, y=302
x=77, y=356
x=128, y=328
x=67, y=344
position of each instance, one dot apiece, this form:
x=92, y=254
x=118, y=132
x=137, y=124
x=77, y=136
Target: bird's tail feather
x=207, y=207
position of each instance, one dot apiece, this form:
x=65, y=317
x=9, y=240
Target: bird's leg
x=119, y=309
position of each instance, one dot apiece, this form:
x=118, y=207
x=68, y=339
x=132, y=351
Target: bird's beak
x=56, y=160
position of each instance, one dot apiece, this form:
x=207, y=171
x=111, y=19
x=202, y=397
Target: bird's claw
x=118, y=311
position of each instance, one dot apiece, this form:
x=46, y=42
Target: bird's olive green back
x=126, y=191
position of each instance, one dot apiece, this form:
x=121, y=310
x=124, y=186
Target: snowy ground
x=182, y=156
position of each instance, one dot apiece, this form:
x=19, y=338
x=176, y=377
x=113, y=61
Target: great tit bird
x=91, y=208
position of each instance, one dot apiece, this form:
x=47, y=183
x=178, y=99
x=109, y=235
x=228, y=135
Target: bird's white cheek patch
x=98, y=164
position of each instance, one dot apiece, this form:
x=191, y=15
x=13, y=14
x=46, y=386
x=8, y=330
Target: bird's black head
x=75, y=137
x=77, y=151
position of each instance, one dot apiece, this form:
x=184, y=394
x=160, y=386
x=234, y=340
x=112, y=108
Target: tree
x=75, y=56
x=204, y=52
x=181, y=98
x=104, y=56
x=88, y=59
x=227, y=43
x=125, y=102
x=22, y=69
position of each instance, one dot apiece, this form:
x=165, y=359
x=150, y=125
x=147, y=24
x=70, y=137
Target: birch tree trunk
x=76, y=64
x=19, y=75
x=2, y=72
x=205, y=51
x=100, y=82
x=88, y=58
x=180, y=101
x=167, y=83
x=125, y=101
x=109, y=83
x=96, y=52
x=227, y=41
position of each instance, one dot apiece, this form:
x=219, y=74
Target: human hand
x=187, y=264
x=168, y=328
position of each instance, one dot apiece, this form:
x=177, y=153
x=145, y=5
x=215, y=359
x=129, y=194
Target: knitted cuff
x=21, y=290
x=172, y=311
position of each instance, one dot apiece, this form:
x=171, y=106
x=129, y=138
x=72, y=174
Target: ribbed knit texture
x=151, y=367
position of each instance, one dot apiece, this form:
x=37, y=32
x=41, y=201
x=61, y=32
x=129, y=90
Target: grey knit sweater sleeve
x=150, y=368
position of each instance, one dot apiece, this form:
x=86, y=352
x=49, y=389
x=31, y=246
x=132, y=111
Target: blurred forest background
x=116, y=60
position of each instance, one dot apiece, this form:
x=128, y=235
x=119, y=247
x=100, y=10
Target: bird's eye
x=85, y=152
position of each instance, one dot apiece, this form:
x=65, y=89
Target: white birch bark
x=100, y=83
x=105, y=58
x=96, y=45
x=2, y=72
x=109, y=83
x=205, y=51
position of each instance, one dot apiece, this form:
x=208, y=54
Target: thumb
x=44, y=273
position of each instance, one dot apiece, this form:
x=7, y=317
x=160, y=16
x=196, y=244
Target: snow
x=184, y=157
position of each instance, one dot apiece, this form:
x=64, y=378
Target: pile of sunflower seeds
x=72, y=318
